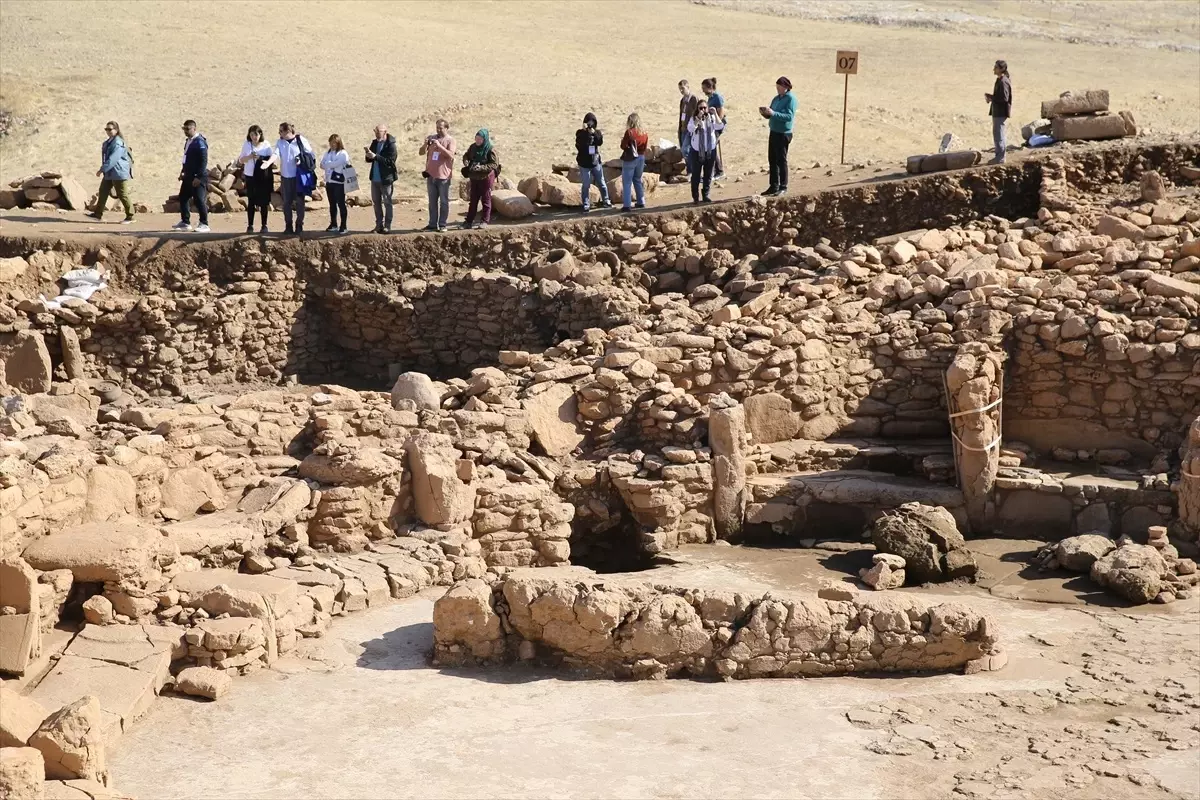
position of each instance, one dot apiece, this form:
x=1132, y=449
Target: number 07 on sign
x=847, y=64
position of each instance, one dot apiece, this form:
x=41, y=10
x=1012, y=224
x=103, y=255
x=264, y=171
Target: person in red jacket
x=633, y=161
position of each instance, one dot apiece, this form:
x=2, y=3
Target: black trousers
x=777, y=154
x=336, y=194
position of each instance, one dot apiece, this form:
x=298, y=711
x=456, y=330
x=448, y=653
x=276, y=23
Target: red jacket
x=631, y=141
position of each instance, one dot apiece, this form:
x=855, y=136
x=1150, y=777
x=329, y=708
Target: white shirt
x=704, y=133
x=289, y=152
x=334, y=162
x=263, y=150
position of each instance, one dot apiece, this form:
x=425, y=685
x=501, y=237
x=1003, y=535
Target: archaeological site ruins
x=211, y=452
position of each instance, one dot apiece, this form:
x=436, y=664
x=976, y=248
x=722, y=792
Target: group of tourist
x=702, y=121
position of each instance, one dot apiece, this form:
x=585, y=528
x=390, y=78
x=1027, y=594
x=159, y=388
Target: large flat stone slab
x=278, y=592
x=149, y=648
x=855, y=487
x=100, y=551
x=124, y=693
x=215, y=532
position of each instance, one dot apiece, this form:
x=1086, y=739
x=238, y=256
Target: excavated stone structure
x=237, y=441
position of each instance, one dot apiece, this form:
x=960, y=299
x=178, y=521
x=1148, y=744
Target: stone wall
x=632, y=629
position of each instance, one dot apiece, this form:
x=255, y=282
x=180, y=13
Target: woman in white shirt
x=702, y=131
x=258, y=179
x=334, y=162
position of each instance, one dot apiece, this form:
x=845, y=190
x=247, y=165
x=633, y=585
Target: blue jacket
x=783, y=113
x=195, y=162
x=115, y=161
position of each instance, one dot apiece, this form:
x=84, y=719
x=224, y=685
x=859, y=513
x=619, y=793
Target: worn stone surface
x=203, y=682
x=22, y=772
x=552, y=420
x=71, y=741
x=20, y=716
x=928, y=540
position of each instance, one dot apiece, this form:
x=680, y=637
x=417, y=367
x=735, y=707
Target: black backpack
x=308, y=159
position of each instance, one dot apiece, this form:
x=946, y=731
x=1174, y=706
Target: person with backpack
x=381, y=155
x=116, y=169
x=1000, y=102
x=716, y=101
x=587, y=155
x=633, y=162
x=258, y=176
x=193, y=179
x=335, y=162
x=296, y=162
x=481, y=166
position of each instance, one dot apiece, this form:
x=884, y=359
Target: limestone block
x=465, y=616
x=439, y=495
x=25, y=362
x=1109, y=126
x=188, y=490
x=770, y=418
x=12, y=268
x=20, y=631
x=112, y=494
x=414, y=391
x=100, y=551
x=1087, y=101
x=20, y=717
x=72, y=743
x=511, y=204
x=203, y=682
x=22, y=773
x=552, y=419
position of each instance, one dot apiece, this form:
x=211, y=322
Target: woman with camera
x=481, y=166
x=633, y=161
x=702, y=129
x=716, y=101
x=258, y=176
x=587, y=155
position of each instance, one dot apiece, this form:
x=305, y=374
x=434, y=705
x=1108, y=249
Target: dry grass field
x=530, y=69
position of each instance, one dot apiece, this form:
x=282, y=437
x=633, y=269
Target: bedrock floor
x=382, y=723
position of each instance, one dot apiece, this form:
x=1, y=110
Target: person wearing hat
x=779, y=115
x=1001, y=107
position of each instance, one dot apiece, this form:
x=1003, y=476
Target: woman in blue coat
x=116, y=170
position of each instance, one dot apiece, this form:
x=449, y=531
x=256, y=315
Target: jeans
x=187, y=193
x=701, y=165
x=998, y=136
x=719, y=169
x=481, y=192
x=121, y=189
x=287, y=189
x=336, y=192
x=631, y=173
x=595, y=174
x=381, y=198
x=439, y=201
x=777, y=154
x=685, y=144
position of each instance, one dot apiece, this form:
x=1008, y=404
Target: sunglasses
x=110, y=129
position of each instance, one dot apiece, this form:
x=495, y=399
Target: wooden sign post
x=847, y=64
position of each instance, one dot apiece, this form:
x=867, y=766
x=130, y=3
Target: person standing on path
x=193, y=179
x=1001, y=108
x=257, y=176
x=687, y=109
x=588, y=140
x=334, y=162
x=780, y=116
x=481, y=165
x=287, y=153
x=381, y=155
x=116, y=170
x=439, y=151
x=703, y=129
x=716, y=101
x=633, y=162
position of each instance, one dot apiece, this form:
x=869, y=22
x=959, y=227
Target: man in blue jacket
x=193, y=179
x=781, y=114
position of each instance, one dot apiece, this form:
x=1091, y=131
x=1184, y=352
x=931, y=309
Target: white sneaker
x=181, y=226
x=202, y=229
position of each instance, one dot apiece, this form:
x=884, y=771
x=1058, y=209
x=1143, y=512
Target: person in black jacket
x=381, y=155
x=193, y=179
x=1001, y=108
x=587, y=155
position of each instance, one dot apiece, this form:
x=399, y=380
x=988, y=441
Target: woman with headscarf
x=481, y=166
x=587, y=155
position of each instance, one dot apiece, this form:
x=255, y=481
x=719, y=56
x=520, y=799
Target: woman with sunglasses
x=116, y=170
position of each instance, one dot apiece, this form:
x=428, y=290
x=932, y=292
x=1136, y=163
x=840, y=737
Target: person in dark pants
x=287, y=153
x=193, y=179
x=1001, y=108
x=481, y=165
x=258, y=179
x=780, y=116
x=716, y=101
x=687, y=109
x=588, y=140
x=702, y=130
x=334, y=162
x=116, y=170
x=381, y=155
